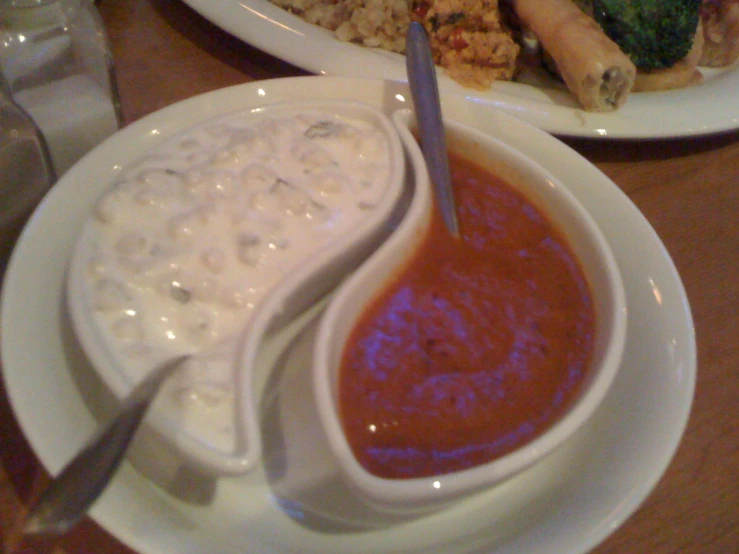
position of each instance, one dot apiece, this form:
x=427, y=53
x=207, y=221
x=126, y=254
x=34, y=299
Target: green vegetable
x=655, y=34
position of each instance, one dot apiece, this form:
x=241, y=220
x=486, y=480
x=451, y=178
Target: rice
x=469, y=38
x=377, y=24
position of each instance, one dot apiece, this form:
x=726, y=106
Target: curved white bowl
x=589, y=245
x=294, y=294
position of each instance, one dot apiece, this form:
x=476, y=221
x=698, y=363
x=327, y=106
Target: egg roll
x=592, y=66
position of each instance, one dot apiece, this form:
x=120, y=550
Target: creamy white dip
x=191, y=238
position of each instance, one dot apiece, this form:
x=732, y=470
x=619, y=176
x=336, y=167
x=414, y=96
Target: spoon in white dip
x=67, y=498
x=425, y=93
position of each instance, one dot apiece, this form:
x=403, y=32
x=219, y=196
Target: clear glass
x=56, y=59
x=25, y=167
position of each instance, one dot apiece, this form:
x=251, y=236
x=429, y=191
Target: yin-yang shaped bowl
x=357, y=293
x=207, y=415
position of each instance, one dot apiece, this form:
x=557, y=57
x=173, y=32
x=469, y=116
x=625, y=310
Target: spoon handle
x=425, y=93
x=66, y=500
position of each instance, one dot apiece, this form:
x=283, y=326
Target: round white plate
x=708, y=107
x=294, y=502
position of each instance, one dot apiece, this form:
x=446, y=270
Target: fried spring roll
x=593, y=67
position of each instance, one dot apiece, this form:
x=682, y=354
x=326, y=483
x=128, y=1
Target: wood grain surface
x=688, y=190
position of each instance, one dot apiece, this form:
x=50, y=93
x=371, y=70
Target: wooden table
x=687, y=189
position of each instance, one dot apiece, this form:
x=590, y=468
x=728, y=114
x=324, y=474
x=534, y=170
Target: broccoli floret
x=655, y=34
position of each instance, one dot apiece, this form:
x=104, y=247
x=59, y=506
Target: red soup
x=476, y=347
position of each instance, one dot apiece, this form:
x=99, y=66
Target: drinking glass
x=26, y=173
x=56, y=59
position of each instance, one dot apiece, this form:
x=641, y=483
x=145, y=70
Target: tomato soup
x=477, y=346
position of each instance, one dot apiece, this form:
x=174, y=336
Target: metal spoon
x=425, y=93
x=66, y=500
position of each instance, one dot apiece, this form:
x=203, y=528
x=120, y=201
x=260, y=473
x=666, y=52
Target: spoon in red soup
x=444, y=366
x=425, y=93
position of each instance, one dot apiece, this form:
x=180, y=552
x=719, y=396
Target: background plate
x=295, y=502
x=705, y=108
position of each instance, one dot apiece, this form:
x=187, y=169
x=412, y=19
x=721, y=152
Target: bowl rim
x=107, y=365
x=419, y=493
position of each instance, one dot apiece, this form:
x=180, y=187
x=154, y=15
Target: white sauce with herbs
x=190, y=239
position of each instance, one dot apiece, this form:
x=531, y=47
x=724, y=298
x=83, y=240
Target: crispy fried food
x=594, y=68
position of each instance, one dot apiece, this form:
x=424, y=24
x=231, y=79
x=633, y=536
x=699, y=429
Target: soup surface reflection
x=477, y=346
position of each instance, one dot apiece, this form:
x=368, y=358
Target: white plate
x=294, y=503
x=708, y=107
